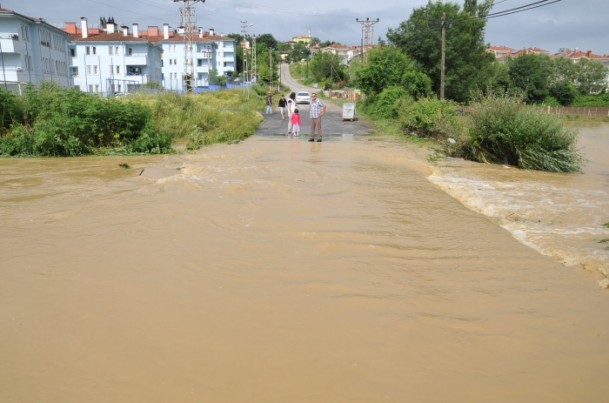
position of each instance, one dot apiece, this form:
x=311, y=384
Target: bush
x=503, y=130
x=592, y=100
x=385, y=105
x=10, y=110
x=67, y=122
x=564, y=92
x=429, y=117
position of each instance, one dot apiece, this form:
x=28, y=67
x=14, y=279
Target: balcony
x=8, y=43
x=136, y=59
x=10, y=74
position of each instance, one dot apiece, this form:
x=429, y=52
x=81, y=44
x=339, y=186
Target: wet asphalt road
x=334, y=127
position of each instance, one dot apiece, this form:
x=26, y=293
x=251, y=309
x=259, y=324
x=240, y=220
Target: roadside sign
x=349, y=111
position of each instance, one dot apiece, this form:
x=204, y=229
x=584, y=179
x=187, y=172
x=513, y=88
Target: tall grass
x=503, y=130
x=52, y=121
x=225, y=116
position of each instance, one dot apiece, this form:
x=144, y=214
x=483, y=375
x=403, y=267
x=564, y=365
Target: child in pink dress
x=296, y=121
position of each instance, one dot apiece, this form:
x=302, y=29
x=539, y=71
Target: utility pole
x=443, y=58
x=254, y=61
x=244, y=46
x=367, y=33
x=189, y=22
x=271, y=67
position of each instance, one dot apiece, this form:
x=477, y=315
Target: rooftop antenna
x=188, y=16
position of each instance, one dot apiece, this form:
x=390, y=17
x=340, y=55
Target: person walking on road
x=269, y=103
x=291, y=108
x=317, y=110
x=282, y=104
x=295, y=120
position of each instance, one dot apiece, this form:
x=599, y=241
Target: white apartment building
x=211, y=53
x=109, y=60
x=31, y=51
x=112, y=61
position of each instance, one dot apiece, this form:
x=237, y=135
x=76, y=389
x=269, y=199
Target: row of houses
x=108, y=59
x=503, y=53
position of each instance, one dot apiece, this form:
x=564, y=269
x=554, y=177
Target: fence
x=581, y=111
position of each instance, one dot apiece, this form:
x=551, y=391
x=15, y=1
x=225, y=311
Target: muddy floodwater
x=278, y=270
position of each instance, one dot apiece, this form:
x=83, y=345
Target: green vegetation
x=503, y=130
x=420, y=37
x=50, y=121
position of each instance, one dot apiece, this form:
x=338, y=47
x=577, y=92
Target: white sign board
x=348, y=111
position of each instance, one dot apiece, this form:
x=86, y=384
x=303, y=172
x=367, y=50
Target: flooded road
x=278, y=270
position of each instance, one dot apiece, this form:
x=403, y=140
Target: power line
x=520, y=9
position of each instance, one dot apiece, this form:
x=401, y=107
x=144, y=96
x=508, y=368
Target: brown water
x=281, y=271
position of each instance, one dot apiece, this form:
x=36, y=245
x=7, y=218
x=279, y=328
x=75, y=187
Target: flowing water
x=284, y=271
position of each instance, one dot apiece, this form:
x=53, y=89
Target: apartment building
x=212, y=54
x=31, y=51
x=111, y=61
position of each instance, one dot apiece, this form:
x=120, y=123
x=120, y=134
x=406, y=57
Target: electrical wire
x=520, y=9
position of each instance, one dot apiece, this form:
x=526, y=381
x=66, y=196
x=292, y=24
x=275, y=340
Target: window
x=88, y=50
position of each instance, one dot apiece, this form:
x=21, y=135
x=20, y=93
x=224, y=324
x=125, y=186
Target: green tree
x=268, y=40
x=388, y=67
x=327, y=67
x=531, y=74
x=299, y=52
x=421, y=38
x=564, y=92
x=591, y=76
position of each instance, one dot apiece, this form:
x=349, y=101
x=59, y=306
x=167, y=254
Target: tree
x=299, y=52
x=421, y=38
x=531, y=74
x=591, y=76
x=327, y=67
x=268, y=40
x=388, y=67
x=564, y=92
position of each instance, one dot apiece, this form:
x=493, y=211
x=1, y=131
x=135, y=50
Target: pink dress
x=295, y=121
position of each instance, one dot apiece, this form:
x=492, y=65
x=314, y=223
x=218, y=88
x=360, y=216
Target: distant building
x=503, y=53
x=107, y=61
x=129, y=61
x=212, y=55
x=31, y=51
x=304, y=39
x=577, y=55
x=344, y=52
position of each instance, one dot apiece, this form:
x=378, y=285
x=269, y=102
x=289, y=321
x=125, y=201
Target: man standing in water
x=316, y=110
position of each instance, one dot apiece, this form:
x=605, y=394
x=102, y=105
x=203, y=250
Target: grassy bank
x=497, y=129
x=57, y=122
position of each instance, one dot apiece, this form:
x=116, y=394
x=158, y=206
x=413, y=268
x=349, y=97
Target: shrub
x=10, y=110
x=504, y=130
x=429, y=117
x=386, y=104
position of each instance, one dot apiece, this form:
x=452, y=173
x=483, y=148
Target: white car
x=303, y=97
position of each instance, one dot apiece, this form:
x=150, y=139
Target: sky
x=571, y=24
